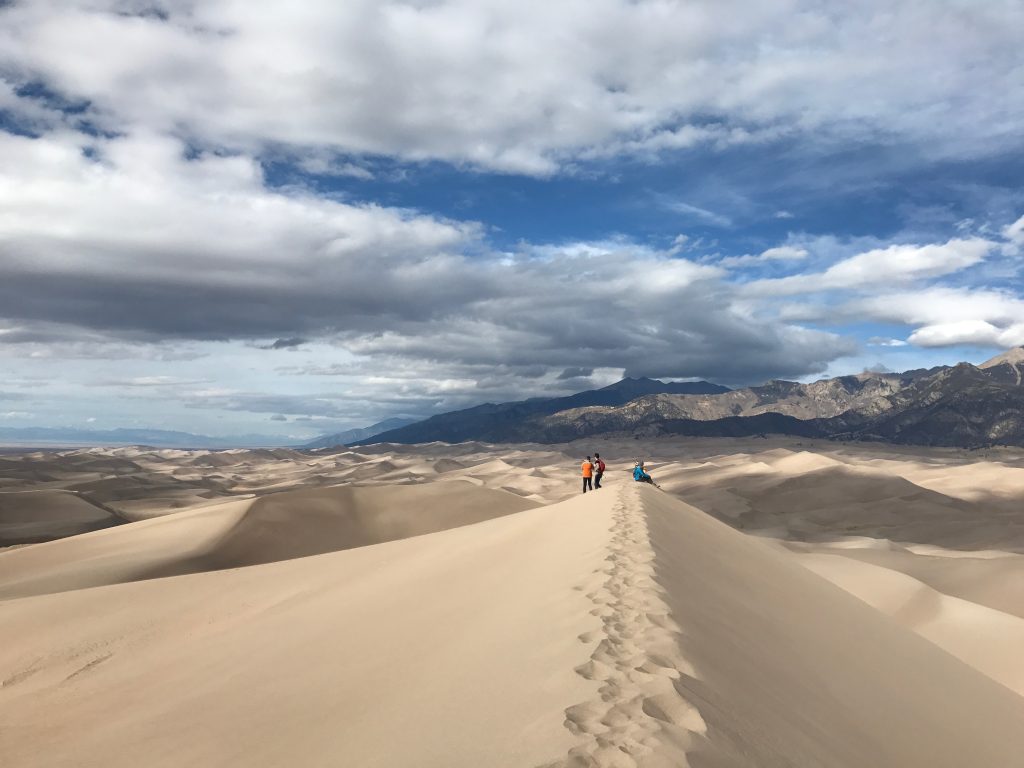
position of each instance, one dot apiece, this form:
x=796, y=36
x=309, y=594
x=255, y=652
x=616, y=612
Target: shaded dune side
x=28, y=517
x=996, y=582
x=314, y=521
x=790, y=670
x=987, y=639
x=849, y=501
x=280, y=526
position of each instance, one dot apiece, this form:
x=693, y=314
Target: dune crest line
x=638, y=715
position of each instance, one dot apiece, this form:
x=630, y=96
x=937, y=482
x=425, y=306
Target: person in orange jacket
x=588, y=474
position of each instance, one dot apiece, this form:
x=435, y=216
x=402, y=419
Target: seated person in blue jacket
x=640, y=475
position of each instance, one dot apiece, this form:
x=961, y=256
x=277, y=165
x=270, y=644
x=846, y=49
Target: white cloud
x=324, y=165
x=148, y=382
x=523, y=87
x=148, y=217
x=147, y=244
x=937, y=315
x=1014, y=233
x=938, y=305
x=692, y=212
x=783, y=253
x=881, y=341
x=881, y=267
x=968, y=332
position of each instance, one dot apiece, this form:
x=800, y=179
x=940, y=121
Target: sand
x=233, y=534
x=456, y=648
x=30, y=516
x=777, y=603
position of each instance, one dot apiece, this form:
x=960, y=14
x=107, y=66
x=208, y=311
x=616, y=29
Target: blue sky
x=227, y=218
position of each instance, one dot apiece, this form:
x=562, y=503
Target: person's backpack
x=600, y=466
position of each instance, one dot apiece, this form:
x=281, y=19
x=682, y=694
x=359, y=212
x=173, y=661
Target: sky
x=289, y=219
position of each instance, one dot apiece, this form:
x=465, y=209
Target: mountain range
x=963, y=405
x=516, y=421
x=354, y=435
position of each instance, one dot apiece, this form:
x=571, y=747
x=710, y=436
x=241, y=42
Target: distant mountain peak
x=505, y=422
x=1013, y=356
x=633, y=380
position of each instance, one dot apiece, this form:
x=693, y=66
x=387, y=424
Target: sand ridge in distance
x=32, y=515
x=140, y=483
x=620, y=628
x=240, y=533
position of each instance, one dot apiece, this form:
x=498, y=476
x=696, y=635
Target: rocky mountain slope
x=963, y=405
x=866, y=393
x=505, y=422
x=352, y=435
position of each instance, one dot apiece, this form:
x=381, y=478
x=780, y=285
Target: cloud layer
x=140, y=243
x=527, y=87
x=142, y=225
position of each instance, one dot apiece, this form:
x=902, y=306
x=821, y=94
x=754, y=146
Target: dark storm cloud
x=576, y=373
x=290, y=343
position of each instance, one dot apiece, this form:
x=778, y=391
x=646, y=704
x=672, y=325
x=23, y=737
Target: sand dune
x=138, y=484
x=413, y=605
x=850, y=501
x=455, y=648
x=777, y=651
x=635, y=631
x=30, y=516
x=126, y=553
x=987, y=639
x=990, y=578
x=249, y=532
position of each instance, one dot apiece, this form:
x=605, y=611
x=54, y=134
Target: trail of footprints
x=639, y=718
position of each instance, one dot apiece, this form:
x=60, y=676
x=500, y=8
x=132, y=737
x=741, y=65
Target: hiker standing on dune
x=588, y=473
x=598, y=470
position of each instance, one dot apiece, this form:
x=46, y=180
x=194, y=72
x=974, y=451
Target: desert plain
x=776, y=602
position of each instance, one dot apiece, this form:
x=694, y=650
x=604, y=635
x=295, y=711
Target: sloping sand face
x=620, y=628
x=790, y=670
x=456, y=648
x=233, y=534
x=30, y=516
